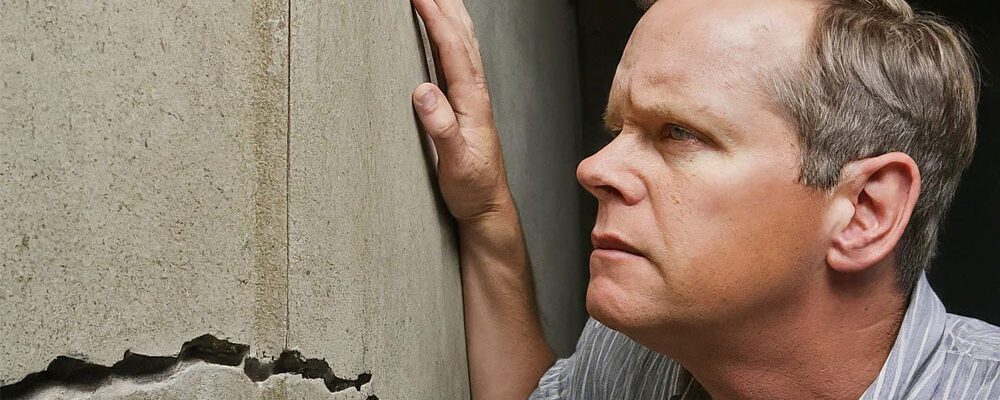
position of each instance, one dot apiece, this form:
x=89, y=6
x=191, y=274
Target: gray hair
x=879, y=77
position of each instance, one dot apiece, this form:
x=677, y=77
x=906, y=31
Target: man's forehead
x=707, y=59
x=729, y=32
x=713, y=44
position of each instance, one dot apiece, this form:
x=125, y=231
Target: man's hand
x=470, y=166
x=507, y=351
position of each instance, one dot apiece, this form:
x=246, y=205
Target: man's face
x=700, y=184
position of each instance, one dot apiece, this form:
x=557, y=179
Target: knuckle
x=446, y=129
x=478, y=82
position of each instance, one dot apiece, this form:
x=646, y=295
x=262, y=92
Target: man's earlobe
x=883, y=191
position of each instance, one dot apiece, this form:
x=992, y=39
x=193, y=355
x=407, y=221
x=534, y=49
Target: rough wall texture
x=179, y=168
x=141, y=169
x=374, y=277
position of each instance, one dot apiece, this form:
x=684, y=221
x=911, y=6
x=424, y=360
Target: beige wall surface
x=179, y=168
x=141, y=178
x=374, y=278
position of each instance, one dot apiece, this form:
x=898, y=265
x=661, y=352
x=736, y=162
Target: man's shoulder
x=607, y=364
x=971, y=338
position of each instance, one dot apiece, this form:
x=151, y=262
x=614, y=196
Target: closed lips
x=612, y=242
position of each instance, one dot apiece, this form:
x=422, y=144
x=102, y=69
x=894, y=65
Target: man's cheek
x=712, y=190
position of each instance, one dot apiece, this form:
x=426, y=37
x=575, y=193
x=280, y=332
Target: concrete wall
x=181, y=168
x=374, y=277
x=142, y=174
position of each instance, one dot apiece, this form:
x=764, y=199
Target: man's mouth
x=612, y=245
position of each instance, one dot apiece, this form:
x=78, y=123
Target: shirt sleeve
x=557, y=380
x=550, y=387
x=609, y=365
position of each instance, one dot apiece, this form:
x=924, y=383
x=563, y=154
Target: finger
x=464, y=80
x=439, y=120
x=456, y=11
x=454, y=54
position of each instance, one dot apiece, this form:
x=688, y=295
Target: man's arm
x=507, y=351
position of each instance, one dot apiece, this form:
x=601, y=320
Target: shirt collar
x=916, y=346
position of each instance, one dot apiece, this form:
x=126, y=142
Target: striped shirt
x=936, y=356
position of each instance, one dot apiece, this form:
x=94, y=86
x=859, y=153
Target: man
x=766, y=209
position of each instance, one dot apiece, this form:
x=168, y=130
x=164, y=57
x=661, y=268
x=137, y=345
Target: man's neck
x=832, y=344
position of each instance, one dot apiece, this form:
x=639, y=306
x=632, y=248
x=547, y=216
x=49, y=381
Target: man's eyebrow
x=699, y=117
x=612, y=115
x=608, y=119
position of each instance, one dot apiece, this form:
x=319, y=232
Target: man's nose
x=611, y=174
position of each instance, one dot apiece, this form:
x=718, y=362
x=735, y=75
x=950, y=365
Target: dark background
x=966, y=273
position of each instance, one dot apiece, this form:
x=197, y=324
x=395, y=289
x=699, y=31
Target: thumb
x=439, y=120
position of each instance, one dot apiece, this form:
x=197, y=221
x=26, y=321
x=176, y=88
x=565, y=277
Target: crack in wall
x=292, y=362
x=83, y=375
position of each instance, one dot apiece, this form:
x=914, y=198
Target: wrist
x=495, y=234
x=499, y=210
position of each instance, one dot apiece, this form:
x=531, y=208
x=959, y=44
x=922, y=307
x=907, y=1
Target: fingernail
x=428, y=100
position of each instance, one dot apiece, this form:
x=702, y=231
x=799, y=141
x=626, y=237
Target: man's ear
x=882, y=192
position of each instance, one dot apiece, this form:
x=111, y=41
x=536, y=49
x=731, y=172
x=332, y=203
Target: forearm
x=507, y=351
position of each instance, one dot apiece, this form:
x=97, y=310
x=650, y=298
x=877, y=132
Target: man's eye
x=679, y=133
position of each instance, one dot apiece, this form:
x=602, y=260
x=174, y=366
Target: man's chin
x=611, y=305
x=607, y=305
